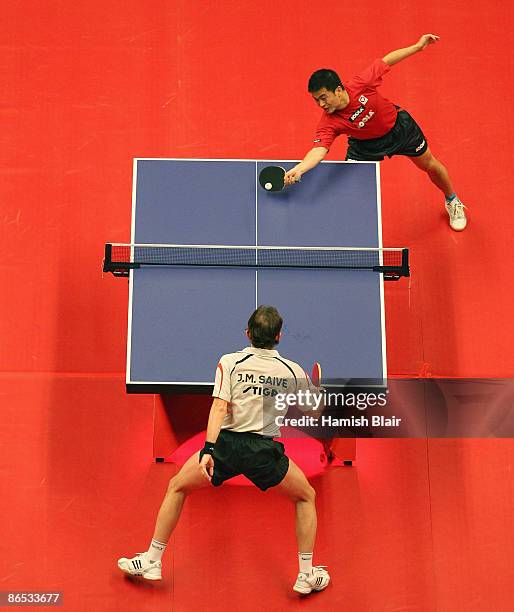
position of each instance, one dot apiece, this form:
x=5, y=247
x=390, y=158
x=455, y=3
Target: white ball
x=268, y=186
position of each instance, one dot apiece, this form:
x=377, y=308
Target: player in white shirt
x=239, y=440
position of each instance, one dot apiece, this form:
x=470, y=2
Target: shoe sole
x=152, y=577
x=305, y=591
x=129, y=573
x=308, y=590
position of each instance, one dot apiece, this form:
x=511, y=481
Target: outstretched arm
x=400, y=54
x=310, y=161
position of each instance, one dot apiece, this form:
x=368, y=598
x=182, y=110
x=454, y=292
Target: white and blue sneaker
x=455, y=209
x=141, y=566
x=316, y=581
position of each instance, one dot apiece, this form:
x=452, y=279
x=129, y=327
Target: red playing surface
x=417, y=525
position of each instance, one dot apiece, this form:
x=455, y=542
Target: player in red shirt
x=374, y=125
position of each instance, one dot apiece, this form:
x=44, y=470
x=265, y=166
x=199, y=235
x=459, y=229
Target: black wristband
x=208, y=449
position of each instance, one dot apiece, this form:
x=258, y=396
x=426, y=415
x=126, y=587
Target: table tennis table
x=182, y=319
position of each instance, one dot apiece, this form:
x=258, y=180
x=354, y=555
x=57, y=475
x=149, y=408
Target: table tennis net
x=119, y=258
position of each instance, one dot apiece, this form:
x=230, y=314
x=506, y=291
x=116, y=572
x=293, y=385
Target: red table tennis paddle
x=316, y=375
x=327, y=453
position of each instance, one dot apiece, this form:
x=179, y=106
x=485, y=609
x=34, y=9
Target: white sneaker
x=455, y=210
x=317, y=581
x=140, y=566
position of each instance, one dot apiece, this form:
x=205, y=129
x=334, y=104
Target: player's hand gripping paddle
x=327, y=454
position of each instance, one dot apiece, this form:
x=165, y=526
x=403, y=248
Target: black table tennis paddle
x=271, y=178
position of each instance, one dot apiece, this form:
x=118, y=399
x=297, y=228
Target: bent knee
x=433, y=164
x=311, y=493
x=426, y=162
x=308, y=494
x=176, y=485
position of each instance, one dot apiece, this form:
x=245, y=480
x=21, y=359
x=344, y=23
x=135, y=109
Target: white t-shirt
x=250, y=379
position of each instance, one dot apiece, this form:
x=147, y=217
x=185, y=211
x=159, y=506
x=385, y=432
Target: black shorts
x=261, y=460
x=405, y=138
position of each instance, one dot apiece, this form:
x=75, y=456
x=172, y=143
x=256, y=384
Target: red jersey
x=368, y=114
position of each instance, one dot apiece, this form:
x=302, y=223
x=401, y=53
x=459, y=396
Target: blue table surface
x=182, y=319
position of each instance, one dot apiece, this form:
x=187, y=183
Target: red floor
x=416, y=525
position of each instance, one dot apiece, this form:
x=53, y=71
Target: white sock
x=305, y=562
x=155, y=551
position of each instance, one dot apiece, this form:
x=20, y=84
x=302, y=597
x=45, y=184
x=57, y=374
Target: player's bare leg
x=435, y=170
x=148, y=564
x=188, y=479
x=441, y=179
x=296, y=487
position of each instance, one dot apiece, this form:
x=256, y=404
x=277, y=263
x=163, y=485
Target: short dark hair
x=264, y=326
x=324, y=77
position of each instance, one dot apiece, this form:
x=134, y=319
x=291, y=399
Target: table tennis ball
x=268, y=186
